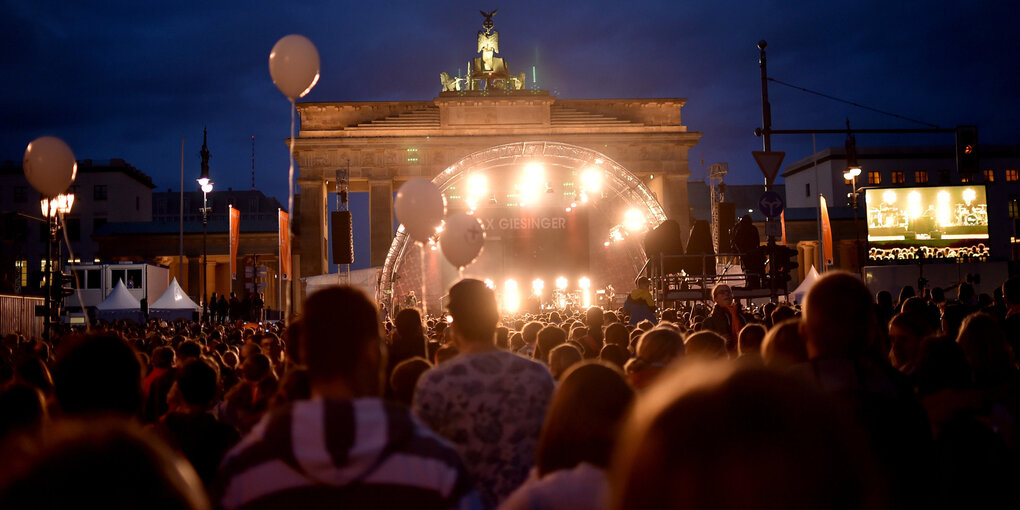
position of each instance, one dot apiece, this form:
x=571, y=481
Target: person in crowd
x=639, y=303
x=407, y=340
x=838, y=327
x=529, y=334
x=191, y=429
x=404, y=379
x=578, y=437
x=706, y=345
x=98, y=374
x=726, y=435
x=222, y=309
x=108, y=463
x=593, y=340
x=489, y=403
x=22, y=409
x=548, y=338
x=1011, y=321
x=749, y=342
x=655, y=350
x=614, y=354
x=783, y=347
x=906, y=331
x=345, y=447
x=562, y=357
x=727, y=318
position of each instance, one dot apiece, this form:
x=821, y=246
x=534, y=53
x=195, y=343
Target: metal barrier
x=17, y=314
x=697, y=285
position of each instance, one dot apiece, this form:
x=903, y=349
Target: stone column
x=674, y=201
x=312, y=220
x=380, y=200
x=210, y=279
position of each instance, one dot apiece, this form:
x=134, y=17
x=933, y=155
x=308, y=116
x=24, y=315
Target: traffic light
x=781, y=261
x=63, y=286
x=967, y=150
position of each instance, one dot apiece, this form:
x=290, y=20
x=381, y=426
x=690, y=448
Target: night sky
x=126, y=80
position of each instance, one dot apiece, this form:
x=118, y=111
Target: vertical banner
x=235, y=237
x=782, y=225
x=826, y=232
x=284, y=246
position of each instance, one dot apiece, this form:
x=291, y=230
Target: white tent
x=173, y=304
x=802, y=289
x=120, y=304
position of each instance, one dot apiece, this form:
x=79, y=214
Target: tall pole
x=49, y=274
x=205, y=254
x=180, y=253
x=766, y=123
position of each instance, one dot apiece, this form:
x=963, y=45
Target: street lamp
x=207, y=187
x=53, y=209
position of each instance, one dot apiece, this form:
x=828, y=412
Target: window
x=943, y=177
x=874, y=177
x=965, y=178
x=807, y=190
x=99, y=192
x=21, y=194
x=21, y=273
x=989, y=175
x=1012, y=175
x=897, y=177
x=97, y=223
x=93, y=278
x=1014, y=208
x=921, y=177
x=132, y=278
x=73, y=226
x=138, y=203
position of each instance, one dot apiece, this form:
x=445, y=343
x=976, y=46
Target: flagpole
x=180, y=258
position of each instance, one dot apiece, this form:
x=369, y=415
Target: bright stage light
x=969, y=195
x=585, y=285
x=537, y=285
x=511, y=297
x=532, y=184
x=889, y=197
x=591, y=179
x=561, y=283
x=584, y=282
x=914, y=205
x=942, y=212
x=616, y=235
x=634, y=221
x=490, y=284
x=477, y=189
x=606, y=244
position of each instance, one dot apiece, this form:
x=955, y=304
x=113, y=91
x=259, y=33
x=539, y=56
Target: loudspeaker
x=343, y=237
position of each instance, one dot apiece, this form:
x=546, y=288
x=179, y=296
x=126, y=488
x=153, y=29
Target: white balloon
x=461, y=239
x=294, y=65
x=420, y=208
x=49, y=165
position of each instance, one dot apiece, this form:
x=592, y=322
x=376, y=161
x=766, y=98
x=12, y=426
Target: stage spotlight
x=942, y=213
x=568, y=209
x=606, y=244
x=490, y=284
x=561, y=283
x=584, y=198
x=585, y=285
x=889, y=197
x=969, y=195
x=511, y=297
x=532, y=184
x=914, y=205
x=634, y=221
x=537, y=285
x=591, y=179
x=616, y=234
x=584, y=282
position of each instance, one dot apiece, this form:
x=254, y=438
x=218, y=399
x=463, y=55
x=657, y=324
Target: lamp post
x=207, y=188
x=53, y=209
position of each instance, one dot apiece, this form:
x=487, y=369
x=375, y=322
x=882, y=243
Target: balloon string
x=74, y=274
x=290, y=202
x=424, y=287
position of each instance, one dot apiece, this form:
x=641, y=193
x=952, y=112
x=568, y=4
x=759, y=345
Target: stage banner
x=826, y=231
x=284, y=246
x=235, y=237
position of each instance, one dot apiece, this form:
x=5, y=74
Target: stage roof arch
x=620, y=189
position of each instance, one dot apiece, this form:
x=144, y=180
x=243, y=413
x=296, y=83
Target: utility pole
x=766, y=122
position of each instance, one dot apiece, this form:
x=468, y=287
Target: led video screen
x=945, y=222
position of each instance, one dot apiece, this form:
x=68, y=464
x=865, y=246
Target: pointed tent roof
x=119, y=299
x=809, y=281
x=174, y=298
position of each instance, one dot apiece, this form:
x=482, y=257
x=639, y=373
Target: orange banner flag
x=782, y=224
x=235, y=238
x=284, y=245
x=826, y=232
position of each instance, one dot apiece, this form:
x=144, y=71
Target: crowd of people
x=849, y=401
